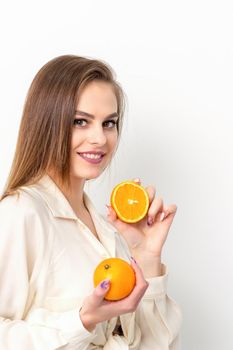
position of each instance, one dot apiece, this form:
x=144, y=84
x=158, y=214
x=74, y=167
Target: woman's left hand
x=148, y=235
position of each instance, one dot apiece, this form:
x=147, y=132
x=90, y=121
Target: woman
x=52, y=238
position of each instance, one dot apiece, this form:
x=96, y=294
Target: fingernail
x=105, y=284
x=108, y=208
x=137, y=180
x=162, y=216
x=150, y=221
x=133, y=260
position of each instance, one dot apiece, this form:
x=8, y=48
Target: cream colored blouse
x=47, y=259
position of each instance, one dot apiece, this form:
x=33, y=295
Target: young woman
x=52, y=237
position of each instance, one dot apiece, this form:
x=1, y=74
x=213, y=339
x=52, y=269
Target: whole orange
x=121, y=276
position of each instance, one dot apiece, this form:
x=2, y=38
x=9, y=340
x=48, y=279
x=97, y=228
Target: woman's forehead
x=97, y=96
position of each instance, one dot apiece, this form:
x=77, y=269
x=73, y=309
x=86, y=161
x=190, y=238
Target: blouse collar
x=59, y=205
x=61, y=208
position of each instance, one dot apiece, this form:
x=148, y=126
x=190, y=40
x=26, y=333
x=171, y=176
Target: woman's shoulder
x=24, y=215
x=22, y=202
x=24, y=225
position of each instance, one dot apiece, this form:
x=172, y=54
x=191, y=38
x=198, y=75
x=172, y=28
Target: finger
x=111, y=214
x=132, y=300
x=156, y=208
x=113, y=218
x=141, y=284
x=171, y=209
x=99, y=292
x=151, y=192
x=137, y=180
x=131, y=237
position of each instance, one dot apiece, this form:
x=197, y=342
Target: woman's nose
x=97, y=136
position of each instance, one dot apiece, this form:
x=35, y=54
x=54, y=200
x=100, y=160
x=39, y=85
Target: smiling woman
x=94, y=139
x=46, y=127
x=52, y=238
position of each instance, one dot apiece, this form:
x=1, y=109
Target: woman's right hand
x=96, y=309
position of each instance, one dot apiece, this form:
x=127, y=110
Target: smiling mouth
x=93, y=158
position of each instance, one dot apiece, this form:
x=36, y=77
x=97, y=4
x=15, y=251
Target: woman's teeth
x=91, y=156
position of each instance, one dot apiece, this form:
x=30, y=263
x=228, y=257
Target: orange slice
x=130, y=201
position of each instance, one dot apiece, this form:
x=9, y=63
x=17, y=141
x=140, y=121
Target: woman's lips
x=91, y=157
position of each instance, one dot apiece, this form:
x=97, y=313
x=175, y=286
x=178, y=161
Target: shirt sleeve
x=25, y=244
x=158, y=316
x=156, y=322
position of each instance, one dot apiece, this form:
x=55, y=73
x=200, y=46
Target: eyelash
x=76, y=120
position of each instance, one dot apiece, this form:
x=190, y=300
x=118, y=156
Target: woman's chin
x=89, y=175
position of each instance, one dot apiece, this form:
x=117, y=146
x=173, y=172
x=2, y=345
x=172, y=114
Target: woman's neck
x=74, y=194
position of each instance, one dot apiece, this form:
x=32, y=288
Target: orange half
x=130, y=201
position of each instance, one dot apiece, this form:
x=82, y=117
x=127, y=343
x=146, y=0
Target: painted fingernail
x=150, y=221
x=162, y=216
x=132, y=258
x=105, y=284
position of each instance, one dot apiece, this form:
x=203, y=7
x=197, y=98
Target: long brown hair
x=45, y=130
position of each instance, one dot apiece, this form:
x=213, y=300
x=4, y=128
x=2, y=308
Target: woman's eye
x=110, y=124
x=80, y=122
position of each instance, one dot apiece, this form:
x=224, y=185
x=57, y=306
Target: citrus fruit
x=130, y=201
x=121, y=276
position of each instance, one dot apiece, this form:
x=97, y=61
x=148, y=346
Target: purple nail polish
x=150, y=221
x=105, y=284
x=133, y=260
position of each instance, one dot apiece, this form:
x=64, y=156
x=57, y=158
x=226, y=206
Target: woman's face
x=94, y=135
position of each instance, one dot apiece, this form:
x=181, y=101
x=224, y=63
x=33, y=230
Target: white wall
x=174, y=60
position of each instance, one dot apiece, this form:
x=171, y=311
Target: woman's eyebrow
x=85, y=114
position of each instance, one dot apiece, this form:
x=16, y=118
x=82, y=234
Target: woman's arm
x=159, y=316
x=157, y=320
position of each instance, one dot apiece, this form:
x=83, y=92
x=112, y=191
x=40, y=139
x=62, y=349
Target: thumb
x=100, y=291
x=111, y=214
x=113, y=219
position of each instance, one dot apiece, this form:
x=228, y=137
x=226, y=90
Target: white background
x=174, y=60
